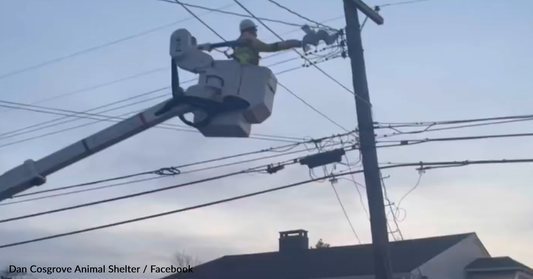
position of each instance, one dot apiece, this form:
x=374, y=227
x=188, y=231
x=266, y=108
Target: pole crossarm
x=369, y=12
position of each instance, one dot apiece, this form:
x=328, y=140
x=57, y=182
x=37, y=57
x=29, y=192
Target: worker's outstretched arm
x=279, y=46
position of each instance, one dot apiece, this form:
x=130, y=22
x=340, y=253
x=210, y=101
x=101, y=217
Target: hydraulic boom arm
x=227, y=100
x=33, y=173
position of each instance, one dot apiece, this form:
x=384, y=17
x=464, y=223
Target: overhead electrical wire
x=356, y=184
x=165, y=213
x=63, y=112
x=290, y=146
x=429, y=126
x=339, y=200
x=45, y=197
x=284, y=152
x=199, y=19
x=144, y=73
x=421, y=173
x=133, y=181
x=344, y=212
x=318, y=68
x=122, y=197
x=210, y=10
x=402, y=3
x=300, y=15
x=229, y=13
x=493, y=136
x=279, y=83
x=39, y=127
x=394, y=216
x=312, y=107
x=59, y=59
x=340, y=174
x=389, y=125
x=97, y=86
x=129, y=196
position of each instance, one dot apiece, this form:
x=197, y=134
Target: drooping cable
x=340, y=174
x=283, y=153
x=218, y=177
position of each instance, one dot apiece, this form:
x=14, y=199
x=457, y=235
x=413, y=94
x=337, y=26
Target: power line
x=230, y=13
x=3, y=135
x=300, y=15
x=166, y=213
x=52, y=61
x=165, y=126
x=285, y=152
x=140, y=180
x=314, y=65
x=40, y=125
x=402, y=3
x=291, y=92
x=101, y=85
x=122, y=197
x=312, y=107
x=340, y=174
x=159, y=172
x=411, y=190
x=36, y=126
x=493, y=136
x=345, y=213
x=428, y=129
x=394, y=217
x=339, y=200
x=218, y=177
x=83, y=115
x=356, y=184
x=199, y=19
x=382, y=125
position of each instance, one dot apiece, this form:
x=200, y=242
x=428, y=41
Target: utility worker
x=249, y=54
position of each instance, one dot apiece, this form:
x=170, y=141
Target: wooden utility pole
x=378, y=218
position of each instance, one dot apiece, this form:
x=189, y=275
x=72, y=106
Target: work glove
x=294, y=43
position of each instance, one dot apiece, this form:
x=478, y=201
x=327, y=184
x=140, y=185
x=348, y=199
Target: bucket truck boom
x=228, y=98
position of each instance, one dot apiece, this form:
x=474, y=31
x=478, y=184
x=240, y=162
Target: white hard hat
x=246, y=24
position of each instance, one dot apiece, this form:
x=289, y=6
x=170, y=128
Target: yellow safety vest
x=246, y=55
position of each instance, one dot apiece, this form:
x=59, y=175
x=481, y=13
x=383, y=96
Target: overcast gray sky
x=434, y=60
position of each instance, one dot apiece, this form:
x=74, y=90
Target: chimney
x=293, y=241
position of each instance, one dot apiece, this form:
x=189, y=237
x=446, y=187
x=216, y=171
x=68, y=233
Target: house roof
x=497, y=263
x=328, y=262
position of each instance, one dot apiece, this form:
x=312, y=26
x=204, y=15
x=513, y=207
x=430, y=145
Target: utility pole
x=378, y=218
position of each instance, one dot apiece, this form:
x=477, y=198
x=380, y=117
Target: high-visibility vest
x=246, y=55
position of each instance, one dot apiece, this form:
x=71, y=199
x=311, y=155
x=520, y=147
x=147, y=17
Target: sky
x=433, y=60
